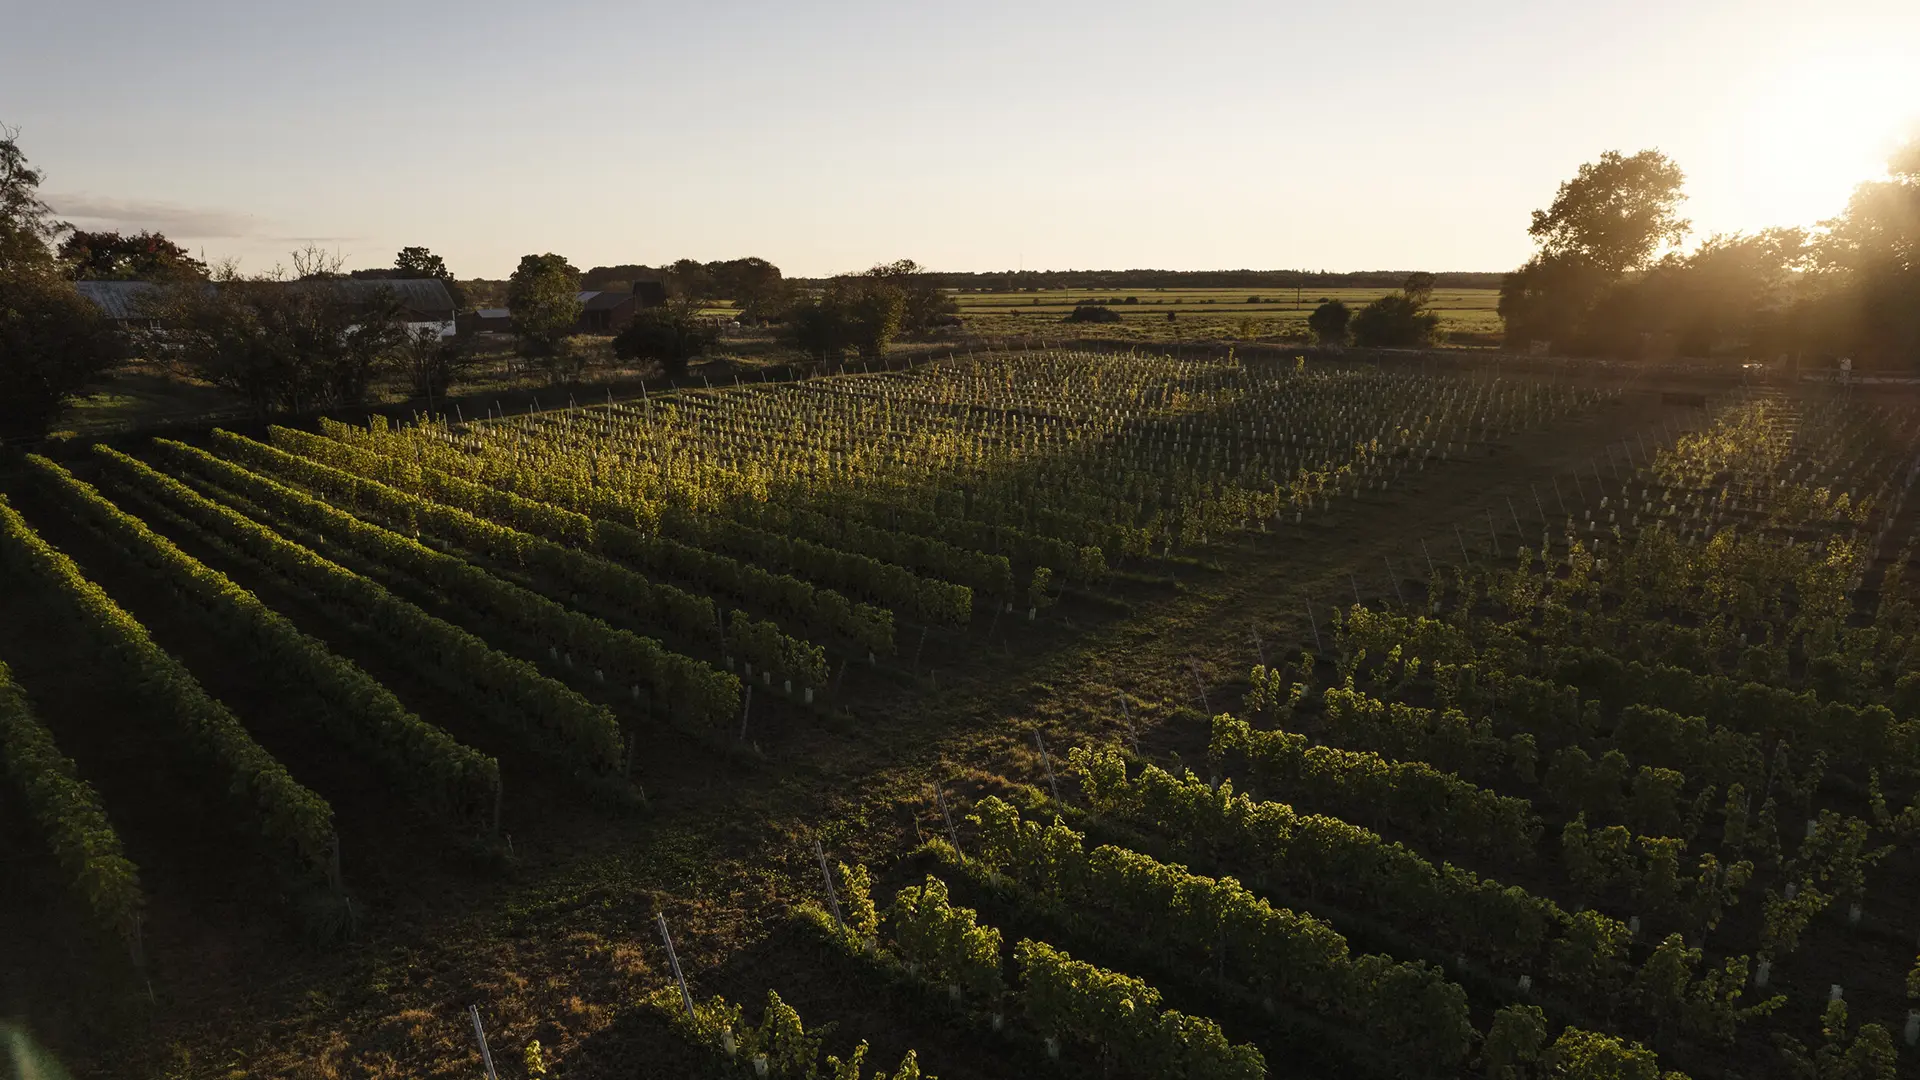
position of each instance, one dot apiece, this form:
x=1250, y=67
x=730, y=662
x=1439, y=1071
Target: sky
x=829, y=136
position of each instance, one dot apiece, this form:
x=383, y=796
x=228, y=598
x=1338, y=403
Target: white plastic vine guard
x=1053, y=1047
x=809, y=695
x=1762, y=972
x=759, y=1064
x=1913, y=1026
x=953, y=992
x=726, y=1042
x=1834, y=992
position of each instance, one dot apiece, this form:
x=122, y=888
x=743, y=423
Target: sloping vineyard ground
x=1082, y=714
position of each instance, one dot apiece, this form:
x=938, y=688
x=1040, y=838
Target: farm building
x=490, y=320
x=426, y=301
x=609, y=312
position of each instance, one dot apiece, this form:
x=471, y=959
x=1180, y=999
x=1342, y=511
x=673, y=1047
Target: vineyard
x=1085, y=715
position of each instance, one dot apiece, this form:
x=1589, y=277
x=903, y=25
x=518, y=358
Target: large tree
x=27, y=225
x=418, y=262
x=1616, y=214
x=52, y=341
x=1612, y=218
x=544, y=296
x=112, y=256
x=925, y=306
x=1869, y=262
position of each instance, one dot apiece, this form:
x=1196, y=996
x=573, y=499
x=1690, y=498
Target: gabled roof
x=416, y=294
x=603, y=301
x=423, y=296
x=115, y=299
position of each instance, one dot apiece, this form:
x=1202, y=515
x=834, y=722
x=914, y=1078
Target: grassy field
x=1468, y=316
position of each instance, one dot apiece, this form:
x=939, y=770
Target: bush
x=1395, y=321
x=1092, y=313
x=670, y=335
x=1329, y=322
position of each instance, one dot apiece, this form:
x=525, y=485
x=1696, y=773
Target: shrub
x=1329, y=322
x=670, y=335
x=1395, y=321
x=1092, y=313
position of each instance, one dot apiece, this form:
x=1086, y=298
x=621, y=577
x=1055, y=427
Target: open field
x=1468, y=316
x=1501, y=691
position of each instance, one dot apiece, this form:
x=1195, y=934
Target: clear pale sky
x=969, y=136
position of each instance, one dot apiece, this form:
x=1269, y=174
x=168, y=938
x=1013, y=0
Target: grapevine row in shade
x=416, y=755
x=294, y=823
x=823, y=613
x=547, y=716
x=694, y=690
x=70, y=816
x=662, y=608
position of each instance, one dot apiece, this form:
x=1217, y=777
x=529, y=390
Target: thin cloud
x=178, y=222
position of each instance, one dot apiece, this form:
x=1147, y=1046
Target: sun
x=1813, y=130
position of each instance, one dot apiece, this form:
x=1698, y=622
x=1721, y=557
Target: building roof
x=422, y=296
x=493, y=313
x=425, y=295
x=115, y=299
x=603, y=301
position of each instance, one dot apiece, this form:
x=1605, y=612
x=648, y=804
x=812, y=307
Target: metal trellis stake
x=1395, y=578
x=480, y=1036
x=1046, y=761
x=673, y=960
x=833, y=898
x=953, y=837
x=1314, y=625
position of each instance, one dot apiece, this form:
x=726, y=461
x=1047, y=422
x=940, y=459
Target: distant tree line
x=1608, y=278
x=1010, y=280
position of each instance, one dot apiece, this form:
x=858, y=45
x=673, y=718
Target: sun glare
x=1813, y=131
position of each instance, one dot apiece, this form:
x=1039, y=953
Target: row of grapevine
x=942, y=944
x=822, y=613
x=1413, y=796
x=1121, y=1016
x=416, y=755
x=693, y=690
x=295, y=824
x=69, y=815
x=779, y=1047
x=1410, y=1008
x=682, y=615
x=657, y=606
x=550, y=718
